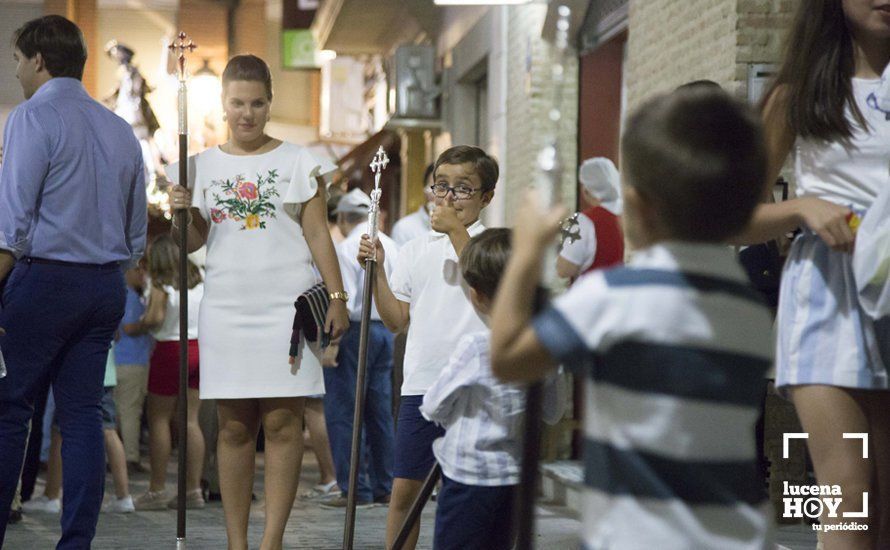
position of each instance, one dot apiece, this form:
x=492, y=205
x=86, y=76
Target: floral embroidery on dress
x=245, y=202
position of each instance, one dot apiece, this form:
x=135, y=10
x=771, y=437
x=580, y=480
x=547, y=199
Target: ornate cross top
x=179, y=49
x=379, y=163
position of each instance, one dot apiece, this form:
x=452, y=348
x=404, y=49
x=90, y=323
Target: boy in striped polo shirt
x=482, y=417
x=673, y=345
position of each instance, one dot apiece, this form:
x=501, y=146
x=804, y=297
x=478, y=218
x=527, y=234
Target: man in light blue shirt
x=72, y=210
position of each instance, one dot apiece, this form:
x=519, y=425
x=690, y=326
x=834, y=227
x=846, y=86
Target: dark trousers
x=474, y=517
x=375, y=474
x=59, y=323
x=32, y=456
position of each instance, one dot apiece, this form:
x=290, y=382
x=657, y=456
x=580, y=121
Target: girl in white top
x=161, y=320
x=259, y=205
x=832, y=358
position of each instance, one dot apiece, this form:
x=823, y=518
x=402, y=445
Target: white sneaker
x=121, y=505
x=322, y=491
x=42, y=504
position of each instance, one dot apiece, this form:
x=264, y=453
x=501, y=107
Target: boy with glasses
x=429, y=292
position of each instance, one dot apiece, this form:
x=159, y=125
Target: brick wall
x=672, y=42
x=529, y=100
x=762, y=27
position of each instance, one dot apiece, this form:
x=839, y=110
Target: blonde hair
x=163, y=264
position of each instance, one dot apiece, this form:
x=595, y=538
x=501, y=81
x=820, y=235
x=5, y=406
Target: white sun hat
x=600, y=178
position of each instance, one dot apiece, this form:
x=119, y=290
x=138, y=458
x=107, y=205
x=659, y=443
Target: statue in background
x=129, y=102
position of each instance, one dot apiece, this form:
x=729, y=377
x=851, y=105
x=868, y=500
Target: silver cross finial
x=380, y=161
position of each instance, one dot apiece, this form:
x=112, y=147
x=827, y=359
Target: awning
x=354, y=27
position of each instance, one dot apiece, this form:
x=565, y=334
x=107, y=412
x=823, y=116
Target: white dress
x=824, y=336
x=258, y=263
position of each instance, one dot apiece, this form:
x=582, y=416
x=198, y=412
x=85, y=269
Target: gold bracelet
x=339, y=295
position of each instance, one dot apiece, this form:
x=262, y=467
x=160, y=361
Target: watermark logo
x=814, y=501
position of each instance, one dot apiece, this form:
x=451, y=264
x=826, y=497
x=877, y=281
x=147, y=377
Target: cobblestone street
x=310, y=526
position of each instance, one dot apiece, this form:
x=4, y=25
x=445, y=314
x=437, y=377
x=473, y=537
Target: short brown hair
x=483, y=164
x=59, y=41
x=248, y=68
x=484, y=259
x=699, y=157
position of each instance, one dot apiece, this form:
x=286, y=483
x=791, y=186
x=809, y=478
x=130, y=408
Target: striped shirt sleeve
x=575, y=323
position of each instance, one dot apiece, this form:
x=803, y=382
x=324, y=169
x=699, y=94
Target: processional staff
x=549, y=174
x=377, y=166
x=180, y=47
x=548, y=178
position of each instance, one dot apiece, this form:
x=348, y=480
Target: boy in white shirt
x=483, y=419
x=429, y=293
x=375, y=474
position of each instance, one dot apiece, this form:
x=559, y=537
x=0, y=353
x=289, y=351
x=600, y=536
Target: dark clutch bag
x=763, y=264
x=311, y=310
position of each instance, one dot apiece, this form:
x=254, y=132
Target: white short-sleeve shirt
x=581, y=251
x=353, y=273
x=427, y=276
x=411, y=226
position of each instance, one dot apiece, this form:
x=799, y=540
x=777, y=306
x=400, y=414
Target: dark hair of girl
x=815, y=80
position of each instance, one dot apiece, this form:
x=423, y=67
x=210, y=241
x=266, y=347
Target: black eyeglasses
x=460, y=193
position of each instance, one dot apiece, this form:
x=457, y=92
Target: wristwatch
x=339, y=295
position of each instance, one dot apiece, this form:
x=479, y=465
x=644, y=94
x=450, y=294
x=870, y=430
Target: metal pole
x=417, y=507
x=377, y=166
x=528, y=475
x=358, y=413
x=549, y=175
x=180, y=47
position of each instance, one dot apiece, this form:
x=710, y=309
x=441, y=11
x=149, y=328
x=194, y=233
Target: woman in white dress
x=831, y=358
x=259, y=205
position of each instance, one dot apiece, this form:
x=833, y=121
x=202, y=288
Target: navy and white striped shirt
x=674, y=347
x=482, y=416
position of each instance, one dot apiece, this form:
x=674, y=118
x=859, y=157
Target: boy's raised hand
x=536, y=225
x=367, y=249
x=444, y=218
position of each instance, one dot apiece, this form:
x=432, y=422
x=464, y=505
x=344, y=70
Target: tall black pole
x=549, y=177
x=182, y=410
x=181, y=47
x=528, y=474
x=355, y=455
x=417, y=507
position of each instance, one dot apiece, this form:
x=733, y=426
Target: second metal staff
x=377, y=166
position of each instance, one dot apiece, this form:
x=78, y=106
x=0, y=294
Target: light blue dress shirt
x=71, y=184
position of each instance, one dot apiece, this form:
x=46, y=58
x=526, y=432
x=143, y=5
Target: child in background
x=122, y=502
x=483, y=419
x=161, y=319
x=429, y=294
x=114, y=448
x=673, y=345
x=131, y=355
x=375, y=474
